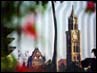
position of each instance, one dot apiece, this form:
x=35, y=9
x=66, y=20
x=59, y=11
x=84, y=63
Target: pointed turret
x=70, y=20
x=73, y=41
x=72, y=12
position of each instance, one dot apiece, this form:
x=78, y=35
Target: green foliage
x=8, y=63
x=11, y=9
x=8, y=10
x=5, y=40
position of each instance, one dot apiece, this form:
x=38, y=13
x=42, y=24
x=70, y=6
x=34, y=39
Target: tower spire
x=72, y=12
x=73, y=41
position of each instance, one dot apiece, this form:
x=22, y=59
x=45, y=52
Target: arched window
x=35, y=57
x=40, y=57
x=76, y=48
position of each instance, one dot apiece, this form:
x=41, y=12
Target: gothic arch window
x=76, y=48
x=40, y=57
x=74, y=57
x=35, y=57
x=78, y=57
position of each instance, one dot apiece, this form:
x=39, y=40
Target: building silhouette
x=36, y=59
x=73, y=41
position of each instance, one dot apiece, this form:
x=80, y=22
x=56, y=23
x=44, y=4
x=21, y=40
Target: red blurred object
x=90, y=6
x=28, y=26
x=30, y=30
x=23, y=68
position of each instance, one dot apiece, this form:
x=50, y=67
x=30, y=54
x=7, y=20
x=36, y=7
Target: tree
x=9, y=10
x=5, y=48
x=6, y=29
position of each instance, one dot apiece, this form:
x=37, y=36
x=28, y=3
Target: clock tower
x=73, y=41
